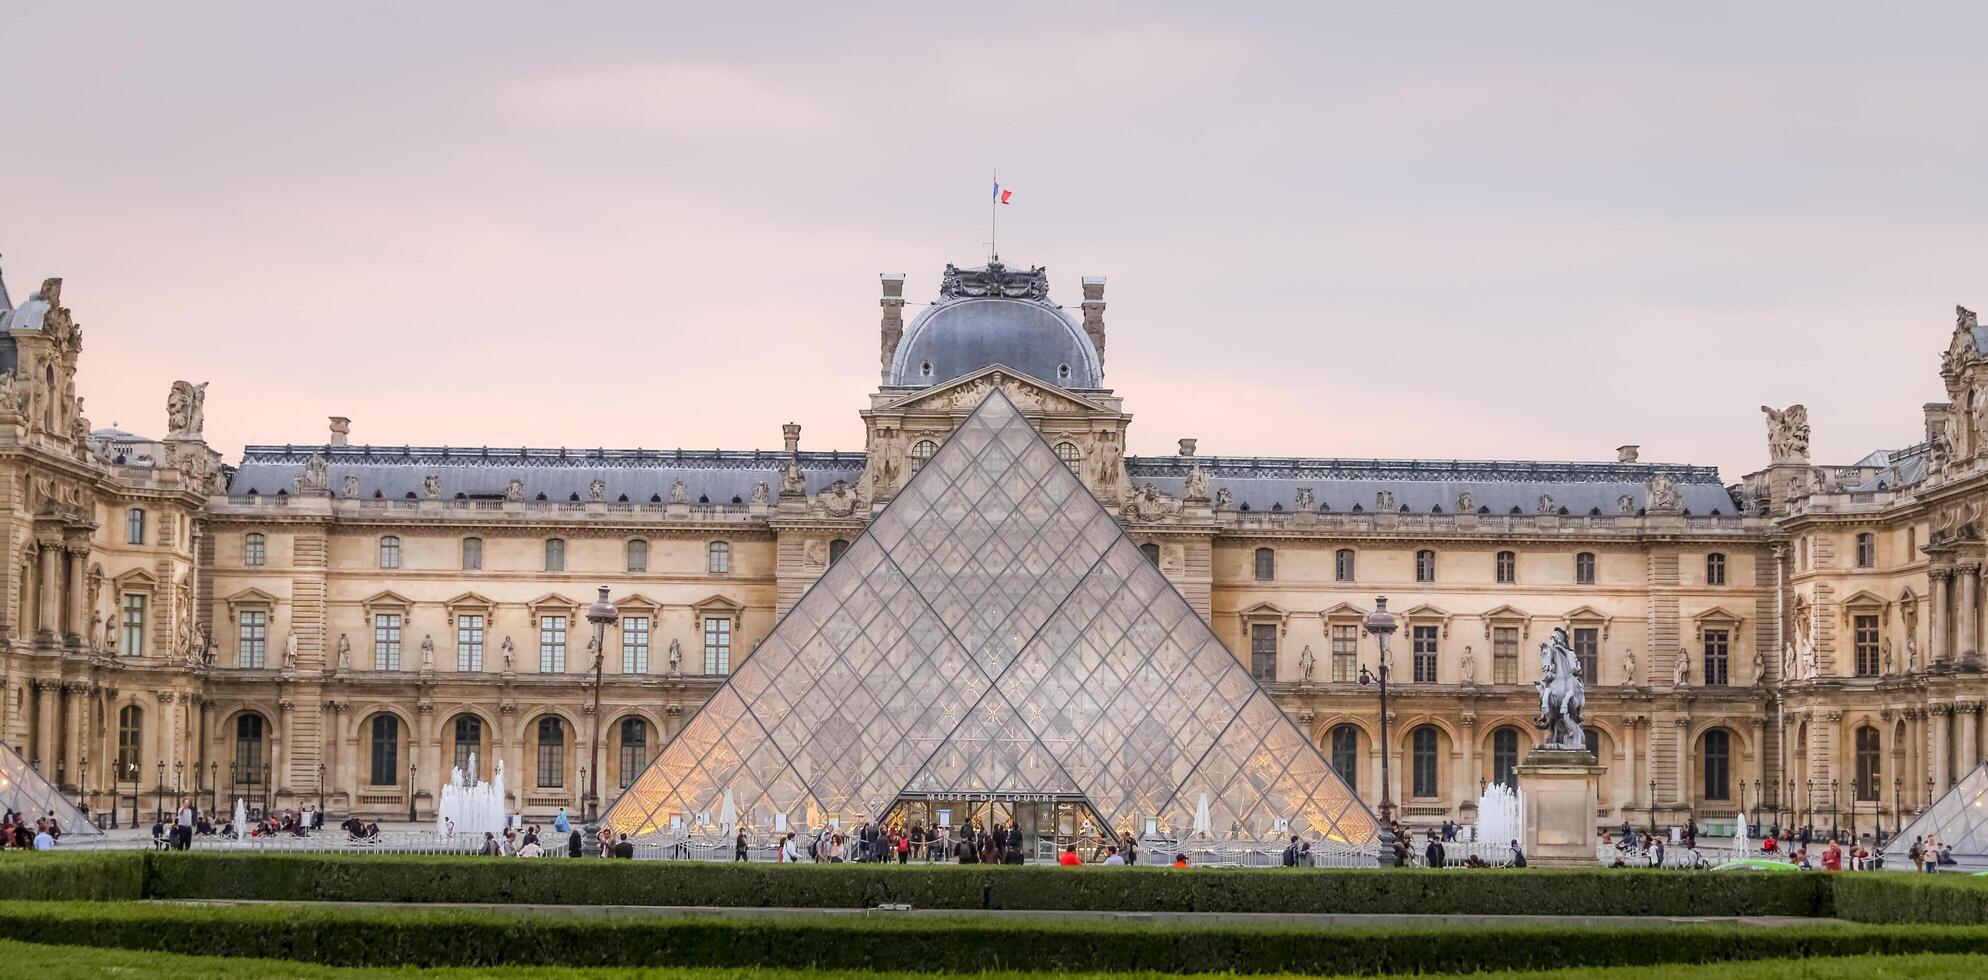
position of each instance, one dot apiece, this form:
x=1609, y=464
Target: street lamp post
x=83, y=783
x=179, y=782
x=1381, y=624
x=410, y=791
x=1808, y=810
x=1897, y=803
x=159, y=795
x=268, y=792
x=1653, y=806
x=214, y=785
x=133, y=773
x=320, y=789
x=1833, y=809
x=602, y=614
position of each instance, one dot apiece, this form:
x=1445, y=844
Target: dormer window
x=925, y=369
x=1062, y=372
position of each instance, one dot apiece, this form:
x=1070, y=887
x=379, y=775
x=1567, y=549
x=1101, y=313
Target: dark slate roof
x=960, y=336
x=1264, y=483
x=1900, y=468
x=640, y=474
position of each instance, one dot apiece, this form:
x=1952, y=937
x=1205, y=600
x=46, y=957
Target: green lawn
x=82, y=963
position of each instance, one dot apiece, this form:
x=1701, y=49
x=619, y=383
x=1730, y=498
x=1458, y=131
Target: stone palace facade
x=339, y=624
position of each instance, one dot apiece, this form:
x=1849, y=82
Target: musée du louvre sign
x=994, y=636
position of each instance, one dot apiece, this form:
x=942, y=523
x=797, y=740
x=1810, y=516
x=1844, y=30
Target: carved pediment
x=250, y=597
x=716, y=605
x=1507, y=615
x=1425, y=612
x=1342, y=610
x=1588, y=615
x=471, y=601
x=965, y=393
x=636, y=601
x=387, y=599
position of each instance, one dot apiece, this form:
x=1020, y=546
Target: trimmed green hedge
x=1950, y=899
x=76, y=876
x=348, y=937
x=388, y=878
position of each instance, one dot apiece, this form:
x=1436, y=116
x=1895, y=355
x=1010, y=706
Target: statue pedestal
x=1561, y=787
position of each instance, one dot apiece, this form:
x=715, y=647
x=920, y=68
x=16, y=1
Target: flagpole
x=994, y=219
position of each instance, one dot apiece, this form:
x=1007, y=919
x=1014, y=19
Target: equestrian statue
x=1561, y=694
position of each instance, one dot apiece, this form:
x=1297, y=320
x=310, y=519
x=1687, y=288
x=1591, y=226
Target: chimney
x=1094, y=314
x=341, y=429
x=792, y=433
x=1626, y=454
x=1187, y=447
x=893, y=318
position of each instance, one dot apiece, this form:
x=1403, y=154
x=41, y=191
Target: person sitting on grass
x=1069, y=858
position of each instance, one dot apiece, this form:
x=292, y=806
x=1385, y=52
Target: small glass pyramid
x=1959, y=818
x=994, y=631
x=23, y=791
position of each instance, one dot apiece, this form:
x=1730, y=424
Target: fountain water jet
x=470, y=806
x=1500, y=815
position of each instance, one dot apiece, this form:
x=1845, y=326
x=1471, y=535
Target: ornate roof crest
x=995, y=279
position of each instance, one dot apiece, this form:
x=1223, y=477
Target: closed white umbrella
x=728, y=813
x=1202, y=821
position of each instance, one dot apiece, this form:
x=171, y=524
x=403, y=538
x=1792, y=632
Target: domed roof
x=994, y=315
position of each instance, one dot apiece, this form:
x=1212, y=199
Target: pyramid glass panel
x=993, y=632
x=1959, y=819
x=23, y=791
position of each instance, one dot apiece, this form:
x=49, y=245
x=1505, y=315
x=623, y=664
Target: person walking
x=790, y=852
x=739, y=848
x=1432, y=855
x=561, y=823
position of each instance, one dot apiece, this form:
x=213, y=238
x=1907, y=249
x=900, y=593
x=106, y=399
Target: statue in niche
x=344, y=653
x=1662, y=495
x=510, y=653
x=793, y=483
x=208, y=650
x=676, y=657
x=290, y=651
x=431, y=486
x=1384, y=500
x=761, y=492
x=351, y=486
x=1465, y=503
x=1884, y=647
x=1811, y=663
x=679, y=493
x=1760, y=665
x=110, y=635
x=597, y=491
x=1911, y=654
x=427, y=651
x=186, y=410
x=514, y=491
x=1466, y=668
x=1629, y=667
x=1307, y=663
x=1682, y=676
x=1224, y=500
x=317, y=475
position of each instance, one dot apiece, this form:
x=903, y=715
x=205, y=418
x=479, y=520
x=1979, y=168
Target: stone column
x=46, y=713
x=77, y=628
x=1684, y=760
x=1942, y=739
x=48, y=569
x=1936, y=619
x=1966, y=612
x=1970, y=735
x=75, y=729
x=1632, y=764
x=1466, y=781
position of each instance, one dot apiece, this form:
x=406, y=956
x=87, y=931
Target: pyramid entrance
x=993, y=634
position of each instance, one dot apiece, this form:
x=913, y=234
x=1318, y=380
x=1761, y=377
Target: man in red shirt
x=1832, y=857
x=1069, y=857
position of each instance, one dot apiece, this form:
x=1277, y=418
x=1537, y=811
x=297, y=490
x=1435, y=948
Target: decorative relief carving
x=1787, y=434
x=1148, y=505
x=431, y=486
x=995, y=279
x=186, y=410
x=1662, y=496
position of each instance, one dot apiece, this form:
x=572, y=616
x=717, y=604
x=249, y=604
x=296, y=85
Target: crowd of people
x=41, y=835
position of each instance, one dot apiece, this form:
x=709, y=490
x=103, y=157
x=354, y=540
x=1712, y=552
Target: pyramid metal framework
x=1959, y=818
x=23, y=791
x=994, y=631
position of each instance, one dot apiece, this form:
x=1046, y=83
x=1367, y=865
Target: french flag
x=1001, y=194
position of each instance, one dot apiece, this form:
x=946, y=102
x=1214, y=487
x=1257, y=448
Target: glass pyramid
x=23, y=791
x=1959, y=818
x=994, y=631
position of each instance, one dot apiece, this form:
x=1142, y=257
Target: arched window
x=836, y=549
x=255, y=549
x=248, y=749
x=1584, y=568
x=1592, y=740
x=555, y=554
x=1715, y=569
x=386, y=750
x=718, y=558
x=1425, y=566
x=1342, y=565
x=1346, y=753
x=472, y=554
x=551, y=752
x=1505, y=755
x=921, y=451
x=134, y=526
x=1422, y=761
x=1867, y=550
x=1067, y=452
x=389, y=551
x=130, y=739
x=469, y=741
x=1266, y=564
x=1869, y=769
x=634, y=749
x=1508, y=567
x=1718, y=764
x=1151, y=551
x=638, y=555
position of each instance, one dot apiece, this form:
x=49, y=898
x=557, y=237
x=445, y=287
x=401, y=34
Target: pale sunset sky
x=1516, y=230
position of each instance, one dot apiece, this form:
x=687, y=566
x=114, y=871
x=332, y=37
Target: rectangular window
x=386, y=641
x=134, y=625
x=552, y=644
x=134, y=526
x=1423, y=750
x=635, y=645
x=717, y=645
x=555, y=555
x=469, y=643
x=1425, y=566
x=472, y=554
x=1587, y=646
x=1505, y=655
x=1423, y=644
x=1718, y=650
x=1584, y=568
x=255, y=550
x=1345, y=654
x=253, y=640
x=1864, y=637
x=1508, y=567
